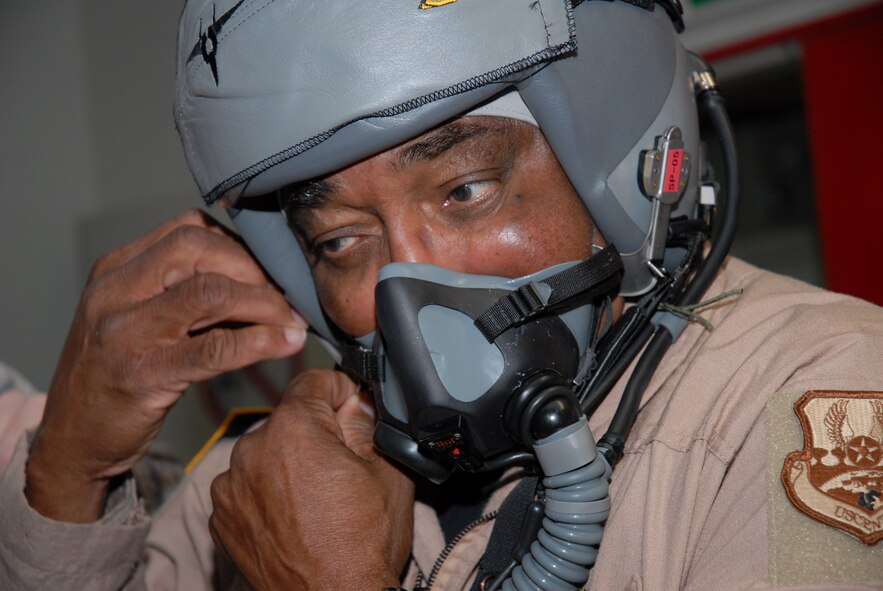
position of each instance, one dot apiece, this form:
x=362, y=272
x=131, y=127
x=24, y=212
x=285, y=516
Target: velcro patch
x=837, y=478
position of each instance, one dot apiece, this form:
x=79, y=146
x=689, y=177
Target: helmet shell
x=273, y=92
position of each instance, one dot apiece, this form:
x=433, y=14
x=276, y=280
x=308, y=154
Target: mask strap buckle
x=361, y=362
x=598, y=275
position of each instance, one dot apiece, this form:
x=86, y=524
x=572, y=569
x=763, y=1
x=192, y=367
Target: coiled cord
x=577, y=505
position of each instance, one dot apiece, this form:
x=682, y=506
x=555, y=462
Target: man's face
x=480, y=195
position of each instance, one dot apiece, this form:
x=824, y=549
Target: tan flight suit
x=21, y=407
x=698, y=501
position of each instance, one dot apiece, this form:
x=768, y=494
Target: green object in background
x=701, y=2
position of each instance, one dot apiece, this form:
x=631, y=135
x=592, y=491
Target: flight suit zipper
x=425, y=584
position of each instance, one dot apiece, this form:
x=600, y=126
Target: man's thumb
x=356, y=420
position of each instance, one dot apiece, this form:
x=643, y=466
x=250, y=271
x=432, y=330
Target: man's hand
x=307, y=502
x=153, y=318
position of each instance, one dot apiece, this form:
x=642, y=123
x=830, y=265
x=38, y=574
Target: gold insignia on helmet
x=434, y=3
x=838, y=476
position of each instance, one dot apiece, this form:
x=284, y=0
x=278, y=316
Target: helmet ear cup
x=271, y=240
x=600, y=110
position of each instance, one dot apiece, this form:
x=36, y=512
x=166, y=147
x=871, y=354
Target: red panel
x=843, y=81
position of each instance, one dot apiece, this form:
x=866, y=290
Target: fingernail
x=298, y=319
x=295, y=336
x=174, y=276
x=200, y=324
x=366, y=407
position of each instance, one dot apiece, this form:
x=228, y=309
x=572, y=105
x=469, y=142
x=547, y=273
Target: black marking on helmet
x=207, y=44
x=674, y=8
x=646, y=4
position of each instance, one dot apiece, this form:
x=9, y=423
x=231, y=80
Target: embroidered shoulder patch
x=838, y=476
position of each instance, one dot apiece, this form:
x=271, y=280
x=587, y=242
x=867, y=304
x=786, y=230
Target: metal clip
x=664, y=174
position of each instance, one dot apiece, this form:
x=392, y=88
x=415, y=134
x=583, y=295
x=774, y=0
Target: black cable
x=713, y=102
x=600, y=388
x=613, y=442
x=619, y=342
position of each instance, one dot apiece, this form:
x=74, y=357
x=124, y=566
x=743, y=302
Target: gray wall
x=89, y=156
x=89, y=159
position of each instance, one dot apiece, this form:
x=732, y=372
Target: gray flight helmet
x=272, y=92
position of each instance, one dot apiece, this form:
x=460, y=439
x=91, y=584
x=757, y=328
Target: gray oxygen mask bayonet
x=471, y=370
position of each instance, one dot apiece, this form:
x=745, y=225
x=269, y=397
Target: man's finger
x=218, y=351
x=220, y=491
x=122, y=255
x=184, y=252
x=323, y=386
x=357, y=426
x=205, y=300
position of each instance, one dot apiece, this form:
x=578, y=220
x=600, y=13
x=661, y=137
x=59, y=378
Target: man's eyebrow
x=440, y=141
x=314, y=193
x=306, y=194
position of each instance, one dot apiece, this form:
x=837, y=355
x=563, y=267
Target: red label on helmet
x=672, y=181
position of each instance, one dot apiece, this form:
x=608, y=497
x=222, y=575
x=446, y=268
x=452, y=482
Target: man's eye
x=335, y=246
x=469, y=191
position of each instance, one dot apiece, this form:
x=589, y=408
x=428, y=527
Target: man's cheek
x=351, y=310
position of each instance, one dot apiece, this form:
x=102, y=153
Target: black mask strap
x=597, y=276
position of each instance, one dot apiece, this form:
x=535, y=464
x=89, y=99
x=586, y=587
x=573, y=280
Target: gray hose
x=577, y=505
